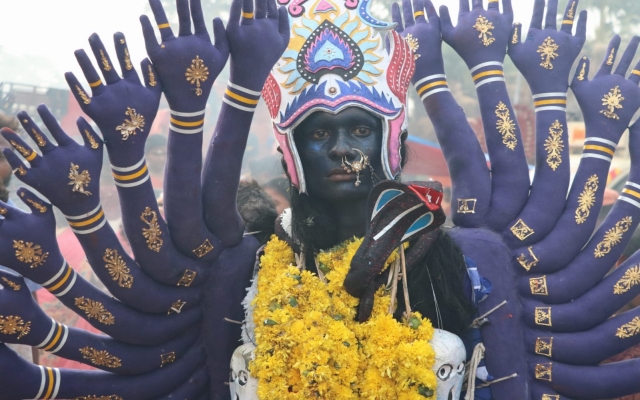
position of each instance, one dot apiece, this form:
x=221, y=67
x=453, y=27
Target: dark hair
x=257, y=210
x=281, y=184
x=4, y=192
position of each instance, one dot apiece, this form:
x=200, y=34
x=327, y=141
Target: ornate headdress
x=339, y=57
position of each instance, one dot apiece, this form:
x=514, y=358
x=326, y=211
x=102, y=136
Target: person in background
x=278, y=190
x=155, y=151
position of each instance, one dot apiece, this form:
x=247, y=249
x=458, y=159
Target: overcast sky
x=38, y=37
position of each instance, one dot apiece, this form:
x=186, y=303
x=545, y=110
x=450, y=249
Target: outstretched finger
x=516, y=35
x=493, y=5
x=150, y=76
x=396, y=16
x=122, y=51
x=78, y=91
x=569, y=16
x=54, y=127
x=407, y=11
x=91, y=139
x=464, y=6
x=581, y=30
x=261, y=8
x=150, y=41
x=103, y=59
x=35, y=203
x=610, y=57
x=552, y=14
x=635, y=77
x=184, y=17
x=537, y=15
x=283, y=24
x=446, y=26
x=89, y=72
x=220, y=36
x=199, y=25
x=247, y=12
x=21, y=147
x=582, y=72
x=235, y=12
x=17, y=166
x=272, y=9
x=161, y=19
x=477, y=5
x=34, y=132
x=628, y=56
x=507, y=7
x=432, y=15
x=418, y=11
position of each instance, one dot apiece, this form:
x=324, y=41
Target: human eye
x=361, y=131
x=320, y=134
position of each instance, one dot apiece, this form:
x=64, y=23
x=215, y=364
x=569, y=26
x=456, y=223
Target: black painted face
x=323, y=139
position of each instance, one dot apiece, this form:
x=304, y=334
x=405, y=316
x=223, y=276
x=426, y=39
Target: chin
x=342, y=191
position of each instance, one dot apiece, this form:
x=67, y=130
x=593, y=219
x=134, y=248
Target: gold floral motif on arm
x=613, y=101
x=197, y=73
x=94, y=310
x=117, y=268
x=554, y=145
x=79, y=180
x=506, y=126
x=587, y=199
x=484, y=27
x=30, y=253
x=153, y=233
x=131, y=126
x=100, y=358
x=630, y=279
x=548, y=53
x=629, y=329
x=13, y=325
x=613, y=237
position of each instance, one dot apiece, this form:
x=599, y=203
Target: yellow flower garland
x=310, y=346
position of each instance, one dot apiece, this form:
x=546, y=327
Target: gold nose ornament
x=356, y=166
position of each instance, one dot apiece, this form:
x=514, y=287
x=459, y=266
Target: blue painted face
x=323, y=140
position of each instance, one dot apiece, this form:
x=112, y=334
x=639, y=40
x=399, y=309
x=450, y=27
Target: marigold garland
x=310, y=346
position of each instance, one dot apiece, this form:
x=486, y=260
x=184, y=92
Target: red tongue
x=430, y=197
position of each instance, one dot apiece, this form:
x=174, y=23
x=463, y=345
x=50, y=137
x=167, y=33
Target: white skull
x=449, y=366
x=242, y=385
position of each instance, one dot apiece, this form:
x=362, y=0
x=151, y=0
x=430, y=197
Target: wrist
x=250, y=80
x=550, y=101
x=241, y=98
x=130, y=175
x=187, y=123
x=84, y=223
x=487, y=72
x=430, y=85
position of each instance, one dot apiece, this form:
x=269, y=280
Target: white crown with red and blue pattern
x=336, y=59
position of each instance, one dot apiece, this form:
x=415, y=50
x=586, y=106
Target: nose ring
x=356, y=166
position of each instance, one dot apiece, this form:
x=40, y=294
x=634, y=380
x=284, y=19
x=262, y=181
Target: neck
x=350, y=218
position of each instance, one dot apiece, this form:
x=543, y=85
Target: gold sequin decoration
x=572, y=10
x=11, y=284
x=550, y=397
x=613, y=237
x=544, y=346
x=583, y=72
x=484, y=27
x=467, y=206
x=13, y=325
x=521, y=230
x=187, y=278
x=167, y=358
x=152, y=77
x=39, y=139
x=94, y=144
x=544, y=372
x=117, y=268
x=539, y=286
x=127, y=60
x=506, y=126
x=176, y=308
x=79, y=180
x=630, y=279
x=21, y=149
x=204, y=249
x=587, y=199
x=105, y=62
x=95, y=310
x=130, y=126
x=152, y=233
x=100, y=358
x=554, y=145
x=413, y=45
x=83, y=95
x=21, y=171
x=30, y=253
x=514, y=39
x=92, y=397
x=610, y=59
x=37, y=206
x=629, y=329
x=543, y=316
x=528, y=262
x=548, y=53
x=613, y=101
x=3, y=211
x=197, y=73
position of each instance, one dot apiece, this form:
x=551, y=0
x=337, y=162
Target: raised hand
x=188, y=64
x=480, y=35
x=123, y=108
x=257, y=40
x=422, y=35
x=68, y=174
x=546, y=56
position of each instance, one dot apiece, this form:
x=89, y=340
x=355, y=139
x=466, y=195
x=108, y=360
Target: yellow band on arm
x=599, y=148
x=186, y=124
x=132, y=176
x=429, y=86
x=240, y=98
x=88, y=222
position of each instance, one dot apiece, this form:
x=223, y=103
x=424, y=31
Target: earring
x=356, y=166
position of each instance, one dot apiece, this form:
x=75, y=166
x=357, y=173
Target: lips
x=340, y=175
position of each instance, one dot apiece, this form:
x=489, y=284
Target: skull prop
x=242, y=385
x=449, y=365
